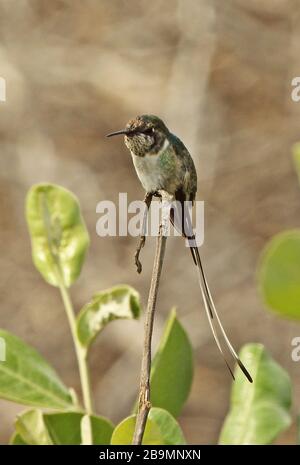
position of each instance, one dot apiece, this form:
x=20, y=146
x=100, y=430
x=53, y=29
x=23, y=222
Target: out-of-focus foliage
x=63, y=428
x=119, y=302
x=161, y=428
x=26, y=378
x=279, y=274
x=279, y=267
x=258, y=411
x=59, y=237
x=172, y=369
x=30, y=427
x=59, y=241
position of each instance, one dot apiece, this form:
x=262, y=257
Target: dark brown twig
x=144, y=404
x=147, y=200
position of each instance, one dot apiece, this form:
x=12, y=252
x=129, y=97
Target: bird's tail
x=213, y=317
x=210, y=309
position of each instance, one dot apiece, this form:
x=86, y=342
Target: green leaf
x=26, y=378
x=101, y=429
x=172, y=368
x=259, y=411
x=16, y=440
x=161, y=428
x=30, y=426
x=65, y=428
x=279, y=274
x=59, y=238
x=117, y=302
x=62, y=428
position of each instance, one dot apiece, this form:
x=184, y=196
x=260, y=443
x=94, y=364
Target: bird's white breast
x=148, y=169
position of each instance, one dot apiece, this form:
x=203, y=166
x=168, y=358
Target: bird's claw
x=137, y=255
x=138, y=264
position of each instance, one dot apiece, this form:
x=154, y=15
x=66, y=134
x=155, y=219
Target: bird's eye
x=149, y=131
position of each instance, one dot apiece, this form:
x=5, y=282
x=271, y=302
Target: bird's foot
x=137, y=254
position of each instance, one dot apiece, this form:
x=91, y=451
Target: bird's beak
x=117, y=133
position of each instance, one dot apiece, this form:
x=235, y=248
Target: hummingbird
x=163, y=164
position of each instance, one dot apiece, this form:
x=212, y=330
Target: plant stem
x=80, y=351
x=144, y=404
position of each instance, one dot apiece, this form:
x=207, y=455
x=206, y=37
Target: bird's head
x=144, y=134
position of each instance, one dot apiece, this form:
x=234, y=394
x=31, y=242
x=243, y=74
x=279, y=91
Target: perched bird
x=163, y=163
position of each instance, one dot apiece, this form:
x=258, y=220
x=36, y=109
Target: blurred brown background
x=219, y=73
